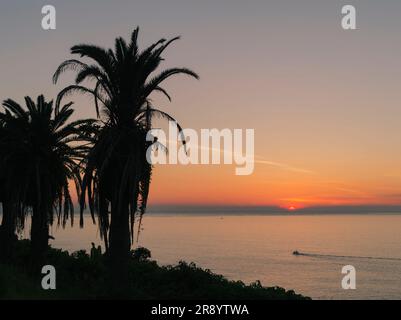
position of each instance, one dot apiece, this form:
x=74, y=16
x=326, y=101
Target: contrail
x=338, y=256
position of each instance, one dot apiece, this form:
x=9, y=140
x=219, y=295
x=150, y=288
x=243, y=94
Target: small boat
x=296, y=253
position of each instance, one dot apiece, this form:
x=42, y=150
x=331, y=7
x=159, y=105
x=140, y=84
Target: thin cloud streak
x=259, y=161
x=284, y=166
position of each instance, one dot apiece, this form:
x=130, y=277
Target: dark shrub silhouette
x=141, y=254
x=80, y=276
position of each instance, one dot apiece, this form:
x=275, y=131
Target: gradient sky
x=324, y=102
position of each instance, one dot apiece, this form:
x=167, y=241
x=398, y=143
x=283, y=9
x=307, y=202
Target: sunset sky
x=325, y=103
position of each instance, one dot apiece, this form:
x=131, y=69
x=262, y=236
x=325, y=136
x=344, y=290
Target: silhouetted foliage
x=8, y=222
x=80, y=276
x=141, y=254
x=40, y=154
x=117, y=176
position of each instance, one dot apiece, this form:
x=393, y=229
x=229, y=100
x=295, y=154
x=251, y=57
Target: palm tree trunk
x=39, y=233
x=120, y=245
x=7, y=233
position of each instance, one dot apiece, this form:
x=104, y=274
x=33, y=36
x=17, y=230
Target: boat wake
x=318, y=255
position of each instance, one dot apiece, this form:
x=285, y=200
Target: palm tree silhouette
x=117, y=175
x=43, y=154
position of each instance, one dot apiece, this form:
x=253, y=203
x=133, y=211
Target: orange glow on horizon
x=268, y=186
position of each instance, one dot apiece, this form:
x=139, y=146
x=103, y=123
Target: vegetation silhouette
x=42, y=151
x=40, y=154
x=83, y=276
x=116, y=173
x=8, y=223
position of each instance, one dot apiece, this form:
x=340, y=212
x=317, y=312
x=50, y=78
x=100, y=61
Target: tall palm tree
x=117, y=175
x=42, y=154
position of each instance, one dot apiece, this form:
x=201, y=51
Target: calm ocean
x=259, y=247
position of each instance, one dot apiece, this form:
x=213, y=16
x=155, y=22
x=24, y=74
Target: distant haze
x=252, y=210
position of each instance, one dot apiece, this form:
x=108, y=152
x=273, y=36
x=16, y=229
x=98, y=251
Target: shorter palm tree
x=42, y=154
